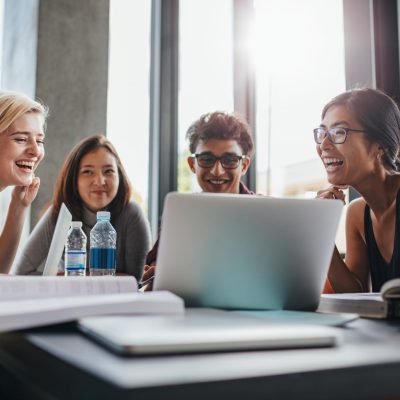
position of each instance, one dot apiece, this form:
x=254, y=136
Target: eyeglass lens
x=227, y=161
x=335, y=135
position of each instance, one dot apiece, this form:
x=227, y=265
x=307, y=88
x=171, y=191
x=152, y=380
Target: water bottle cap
x=103, y=215
x=76, y=224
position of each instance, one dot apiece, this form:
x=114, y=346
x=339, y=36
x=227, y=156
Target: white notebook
x=32, y=301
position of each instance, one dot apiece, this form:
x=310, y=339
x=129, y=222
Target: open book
x=32, y=301
x=385, y=304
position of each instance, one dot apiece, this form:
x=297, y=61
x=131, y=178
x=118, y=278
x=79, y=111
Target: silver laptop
x=246, y=252
x=58, y=241
x=202, y=330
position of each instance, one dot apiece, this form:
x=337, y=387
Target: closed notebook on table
x=385, y=304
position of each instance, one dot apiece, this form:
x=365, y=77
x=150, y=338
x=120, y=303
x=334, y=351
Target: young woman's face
x=98, y=179
x=21, y=150
x=218, y=179
x=351, y=162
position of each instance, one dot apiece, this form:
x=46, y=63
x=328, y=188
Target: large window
x=128, y=89
x=5, y=195
x=299, y=58
x=205, y=69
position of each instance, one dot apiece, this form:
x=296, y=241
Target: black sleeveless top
x=380, y=270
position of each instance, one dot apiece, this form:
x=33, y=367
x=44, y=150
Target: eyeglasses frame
x=327, y=134
x=240, y=158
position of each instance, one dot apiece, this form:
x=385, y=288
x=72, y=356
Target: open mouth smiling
x=218, y=181
x=26, y=165
x=332, y=162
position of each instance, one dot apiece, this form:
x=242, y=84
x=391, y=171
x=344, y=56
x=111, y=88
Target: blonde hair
x=13, y=105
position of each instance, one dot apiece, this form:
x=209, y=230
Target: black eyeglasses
x=228, y=161
x=335, y=135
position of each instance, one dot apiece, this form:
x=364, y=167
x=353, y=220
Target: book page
x=354, y=296
x=20, y=314
x=35, y=287
x=391, y=289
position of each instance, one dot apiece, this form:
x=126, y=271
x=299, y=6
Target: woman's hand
x=333, y=192
x=24, y=195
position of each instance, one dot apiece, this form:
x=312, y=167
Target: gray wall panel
x=72, y=77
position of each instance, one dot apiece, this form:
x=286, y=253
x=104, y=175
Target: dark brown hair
x=379, y=116
x=223, y=126
x=66, y=189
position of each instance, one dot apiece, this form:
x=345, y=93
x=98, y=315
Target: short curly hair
x=223, y=126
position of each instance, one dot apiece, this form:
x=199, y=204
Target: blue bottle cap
x=103, y=215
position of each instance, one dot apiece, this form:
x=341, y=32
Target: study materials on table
x=385, y=304
x=32, y=301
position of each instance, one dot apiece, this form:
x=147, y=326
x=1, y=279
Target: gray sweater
x=133, y=240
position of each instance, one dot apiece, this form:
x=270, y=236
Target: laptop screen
x=58, y=242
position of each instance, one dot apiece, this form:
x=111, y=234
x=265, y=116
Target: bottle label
x=102, y=258
x=75, y=260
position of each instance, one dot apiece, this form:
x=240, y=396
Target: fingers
x=333, y=192
x=31, y=191
x=148, y=272
x=146, y=281
x=35, y=182
x=24, y=195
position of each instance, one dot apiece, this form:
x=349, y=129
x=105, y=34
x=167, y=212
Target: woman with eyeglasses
x=358, y=142
x=92, y=179
x=22, y=126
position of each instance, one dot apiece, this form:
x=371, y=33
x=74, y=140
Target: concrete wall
x=72, y=77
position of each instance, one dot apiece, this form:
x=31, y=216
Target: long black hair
x=66, y=189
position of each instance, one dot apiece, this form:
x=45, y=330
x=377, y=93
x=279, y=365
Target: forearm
x=11, y=235
x=137, y=243
x=341, y=278
x=36, y=248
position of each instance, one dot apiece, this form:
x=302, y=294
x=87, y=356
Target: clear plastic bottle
x=103, y=241
x=75, y=251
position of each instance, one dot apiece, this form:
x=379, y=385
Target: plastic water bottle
x=75, y=251
x=103, y=241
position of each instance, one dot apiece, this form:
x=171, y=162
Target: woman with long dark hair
x=358, y=141
x=93, y=179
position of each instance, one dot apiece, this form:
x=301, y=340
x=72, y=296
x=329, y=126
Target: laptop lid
x=246, y=252
x=201, y=330
x=58, y=241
